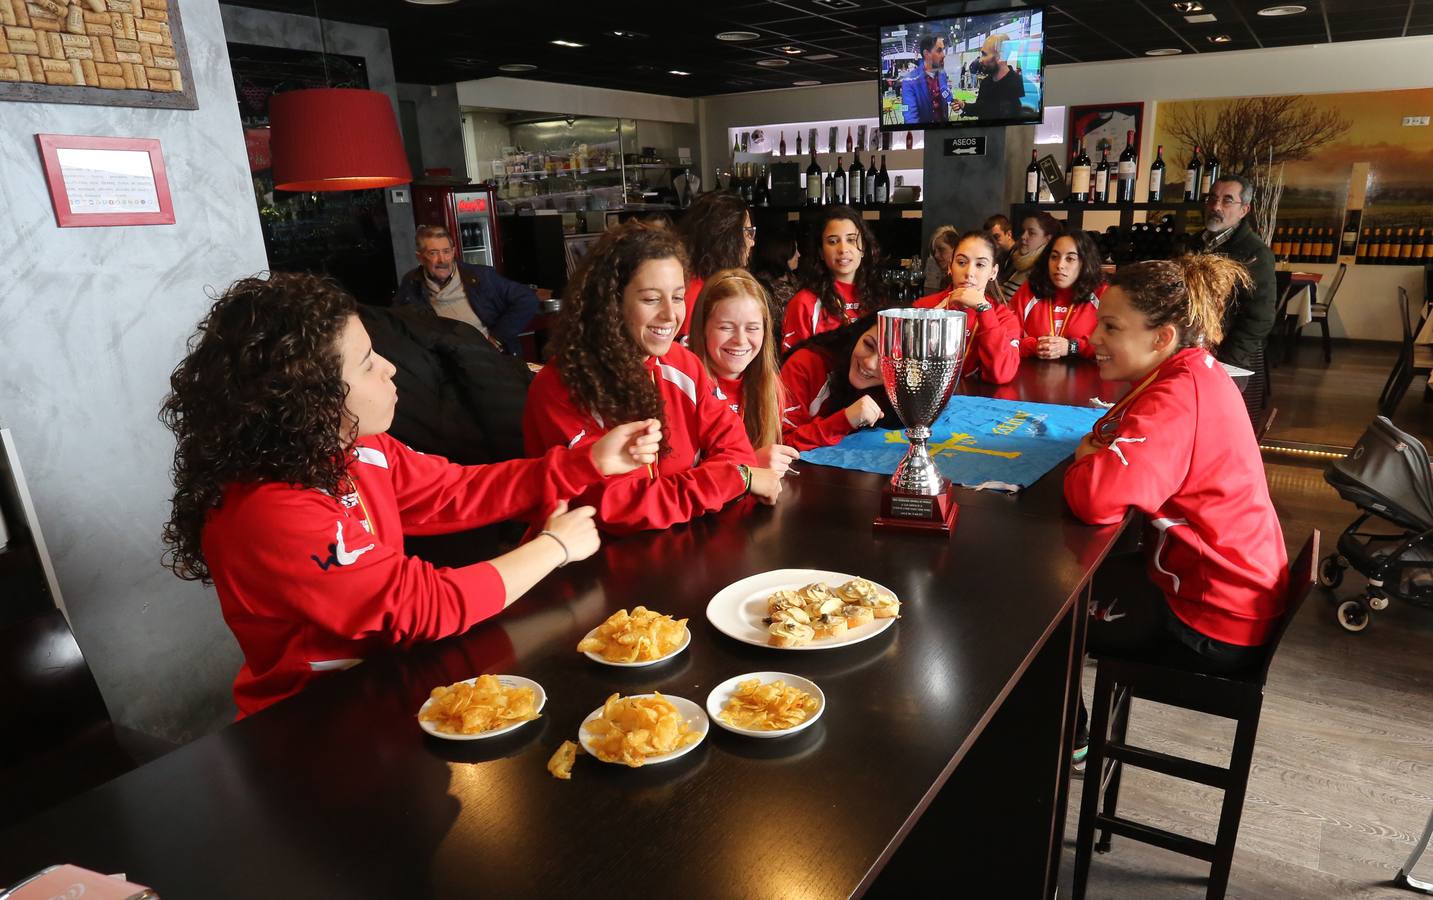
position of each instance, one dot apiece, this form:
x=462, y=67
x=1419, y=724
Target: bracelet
x=745, y=471
x=1074, y=347
x=566, y=557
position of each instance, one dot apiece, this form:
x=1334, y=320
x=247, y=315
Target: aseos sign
x=965, y=146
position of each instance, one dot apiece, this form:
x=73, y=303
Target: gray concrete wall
x=243, y=25
x=440, y=127
x=92, y=321
x=963, y=190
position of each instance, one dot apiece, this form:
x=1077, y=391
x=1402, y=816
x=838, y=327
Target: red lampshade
x=335, y=139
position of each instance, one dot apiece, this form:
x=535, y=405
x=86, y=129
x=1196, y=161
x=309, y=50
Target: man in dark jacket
x=497, y=308
x=1250, y=315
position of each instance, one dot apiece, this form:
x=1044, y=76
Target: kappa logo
x=1115, y=446
x=340, y=555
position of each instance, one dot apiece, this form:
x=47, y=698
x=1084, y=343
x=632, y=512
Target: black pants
x=1129, y=616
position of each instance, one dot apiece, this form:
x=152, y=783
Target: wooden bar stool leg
x=1240, y=761
x=1094, y=765
x=1118, y=731
x=1328, y=345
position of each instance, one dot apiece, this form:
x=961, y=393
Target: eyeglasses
x=438, y=254
x=749, y=231
x=1224, y=201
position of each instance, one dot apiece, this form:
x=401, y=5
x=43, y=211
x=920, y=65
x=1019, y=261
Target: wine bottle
x=1420, y=248
x=1156, y=176
x=1191, y=177
x=910, y=140
x=798, y=142
x=1032, y=178
x=856, y=181
x=735, y=148
x=782, y=151
x=830, y=190
x=1309, y=251
x=1405, y=249
x=1102, y=178
x=1211, y=174
x=813, y=179
x=1080, y=176
x=1124, y=187
x=1280, y=241
x=870, y=197
x=839, y=181
x=760, y=195
x=1364, y=240
x=1375, y=249
x=1326, y=245
x=883, y=184
x=850, y=144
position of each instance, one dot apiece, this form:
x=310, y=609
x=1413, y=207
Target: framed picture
x=1104, y=127
x=95, y=52
x=106, y=180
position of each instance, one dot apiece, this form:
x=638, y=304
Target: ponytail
x=1190, y=292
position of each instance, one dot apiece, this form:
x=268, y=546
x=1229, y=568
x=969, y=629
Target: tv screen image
x=985, y=69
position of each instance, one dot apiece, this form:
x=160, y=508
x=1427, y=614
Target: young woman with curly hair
x=616, y=358
x=833, y=387
x=842, y=283
x=719, y=235
x=733, y=338
x=992, y=346
x=1058, y=305
x=292, y=501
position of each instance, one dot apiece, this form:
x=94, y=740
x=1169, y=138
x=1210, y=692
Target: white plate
x=696, y=720
x=720, y=694
x=509, y=681
x=737, y=609
x=598, y=657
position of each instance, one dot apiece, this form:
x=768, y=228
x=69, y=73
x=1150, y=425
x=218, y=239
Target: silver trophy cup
x=921, y=355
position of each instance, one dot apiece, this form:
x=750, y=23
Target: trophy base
x=917, y=512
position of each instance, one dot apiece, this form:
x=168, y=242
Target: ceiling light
x=773, y=63
x=807, y=83
x=1201, y=18
x=791, y=51
x=1219, y=39
x=868, y=68
x=677, y=72
x=562, y=43
x=432, y=2
x=1287, y=9
x=1188, y=7
x=1164, y=51
x=516, y=67
x=735, y=36
x=820, y=56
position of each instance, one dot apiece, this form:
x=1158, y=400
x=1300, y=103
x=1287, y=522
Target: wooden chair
x=1239, y=697
x=1413, y=360
x=1318, y=312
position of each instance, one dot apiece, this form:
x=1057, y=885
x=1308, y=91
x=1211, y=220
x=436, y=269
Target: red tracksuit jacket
x=698, y=475
x=992, y=351
x=805, y=316
x=1182, y=451
x=728, y=391
x=311, y=583
x=808, y=417
x=1073, y=321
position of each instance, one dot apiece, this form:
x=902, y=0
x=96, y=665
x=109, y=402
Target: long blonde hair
x=761, y=382
x=1190, y=292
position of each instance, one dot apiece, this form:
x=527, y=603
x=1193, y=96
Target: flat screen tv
x=982, y=69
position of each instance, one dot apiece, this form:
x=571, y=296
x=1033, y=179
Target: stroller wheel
x=1353, y=615
x=1330, y=571
x=1378, y=602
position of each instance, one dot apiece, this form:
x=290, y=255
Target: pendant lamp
x=335, y=139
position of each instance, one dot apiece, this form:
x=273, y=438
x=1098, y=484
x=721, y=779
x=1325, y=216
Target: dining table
x=940, y=763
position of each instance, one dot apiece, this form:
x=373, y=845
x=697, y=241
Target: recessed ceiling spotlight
x=516, y=67
x=432, y=2
x=807, y=83
x=1164, y=51
x=735, y=36
x=1219, y=39
x=677, y=72
x=773, y=63
x=1201, y=18
x=562, y=43
x=1188, y=7
x=791, y=51
x=868, y=69
x=1287, y=9
x=817, y=57
x=628, y=35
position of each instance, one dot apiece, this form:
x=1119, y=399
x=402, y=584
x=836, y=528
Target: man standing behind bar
x=1250, y=317
x=925, y=93
x=1002, y=87
x=498, y=308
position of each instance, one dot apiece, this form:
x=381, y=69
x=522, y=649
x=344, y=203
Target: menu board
x=108, y=181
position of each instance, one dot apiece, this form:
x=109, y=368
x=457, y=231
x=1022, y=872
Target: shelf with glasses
x=1075, y=212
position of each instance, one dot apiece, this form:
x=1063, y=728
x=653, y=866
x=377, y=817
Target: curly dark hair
x=712, y=229
x=837, y=346
x=259, y=397
x=1189, y=292
x=816, y=278
x=601, y=364
x=1090, y=277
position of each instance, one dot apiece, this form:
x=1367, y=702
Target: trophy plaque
x=922, y=351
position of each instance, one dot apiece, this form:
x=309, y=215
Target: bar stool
x=1239, y=697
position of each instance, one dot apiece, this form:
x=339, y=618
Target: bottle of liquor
x=1280, y=241
x=1364, y=240
x=735, y=148
x=829, y=196
x=1210, y=175
x=1032, y=178
x=1326, y=244
x=1420, y=247
x=1124, y=186
x=1375, y=248
x=1191, y=177
x=839, y=181
x=870, y=196
x=813, y=179
x=856, y=182
x=762, y=196
x=1405, y=249
x=1080, y=176
x=1101, y=192
x=910, y=140
x=883, y=184
x=1308, y=247
x=1156, y=176
x=782, y=149
x=798, y=142
x=850, y=144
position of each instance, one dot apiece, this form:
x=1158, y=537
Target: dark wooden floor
x=1342, y=782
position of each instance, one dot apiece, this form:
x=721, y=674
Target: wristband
x=566, y=557
x=984, y=306
x=1074, y=347
x=745, y=471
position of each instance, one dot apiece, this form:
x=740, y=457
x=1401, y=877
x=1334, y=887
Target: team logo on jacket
x=339, y=554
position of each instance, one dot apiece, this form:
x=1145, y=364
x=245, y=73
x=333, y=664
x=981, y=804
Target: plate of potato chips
x=643, y=637
x=481, y=707
x=643, y=729
x=766, y=704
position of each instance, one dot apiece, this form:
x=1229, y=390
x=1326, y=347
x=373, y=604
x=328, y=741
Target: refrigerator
x=469, y=212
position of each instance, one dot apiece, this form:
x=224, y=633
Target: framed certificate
x=106, y=180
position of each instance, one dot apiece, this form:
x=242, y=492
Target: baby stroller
x=1387, y=476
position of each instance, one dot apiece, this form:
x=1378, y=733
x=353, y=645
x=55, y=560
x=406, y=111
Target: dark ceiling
x=471, y=38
